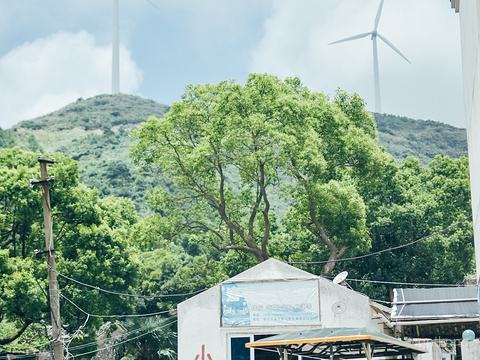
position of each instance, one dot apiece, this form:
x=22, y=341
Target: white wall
x=470, y=350
x=198, y=327
x=469, y=31
x=342, y=307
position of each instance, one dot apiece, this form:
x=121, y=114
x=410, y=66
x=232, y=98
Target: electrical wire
x=114, y=345
x=66, y=343
x=397, y=282
x=154, y=326
x=113, y=316
x=381, y=251
x=125, y=334
x=163, y=321
x=290, y=262
x=124, y=294
x=199, y=291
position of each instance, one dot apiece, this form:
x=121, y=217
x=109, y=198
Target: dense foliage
x=91, y=241
x=230, y=148
x=6, y=139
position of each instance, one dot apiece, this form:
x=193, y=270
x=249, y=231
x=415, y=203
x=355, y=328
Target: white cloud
x=41, y=76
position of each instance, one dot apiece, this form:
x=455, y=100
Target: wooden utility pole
x=50, y=252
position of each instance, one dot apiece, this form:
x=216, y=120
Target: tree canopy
x=91, y=238
x=230, y=150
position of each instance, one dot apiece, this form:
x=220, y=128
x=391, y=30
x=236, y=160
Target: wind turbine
x=374, y=34
x=116, y=47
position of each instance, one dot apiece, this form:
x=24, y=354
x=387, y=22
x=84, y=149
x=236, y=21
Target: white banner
x=270, y=303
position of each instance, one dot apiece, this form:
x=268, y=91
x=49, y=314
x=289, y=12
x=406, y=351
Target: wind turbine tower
x=374, y=34
x=115, y=50
x=116, y=47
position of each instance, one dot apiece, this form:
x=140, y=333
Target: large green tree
x=19, y=202
x=416, y=203
x=230, y=150
x=335, y=161
x=92, y=244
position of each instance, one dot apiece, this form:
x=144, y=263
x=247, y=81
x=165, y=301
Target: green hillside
x=95, y=132
x=422, y=139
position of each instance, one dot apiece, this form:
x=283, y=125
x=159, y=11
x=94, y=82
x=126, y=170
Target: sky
x=53, y=52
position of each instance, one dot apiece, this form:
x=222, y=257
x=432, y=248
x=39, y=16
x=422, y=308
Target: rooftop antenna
x=374, y=34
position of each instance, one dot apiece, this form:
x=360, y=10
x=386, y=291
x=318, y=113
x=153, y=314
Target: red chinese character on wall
x=209, y=357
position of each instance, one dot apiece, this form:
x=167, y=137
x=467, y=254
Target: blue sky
x=55, y=51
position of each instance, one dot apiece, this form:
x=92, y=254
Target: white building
x=470, y=40
x=469, y=11
x=268, y=299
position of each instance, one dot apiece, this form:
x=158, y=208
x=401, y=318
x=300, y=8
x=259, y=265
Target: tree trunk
x=334, y=255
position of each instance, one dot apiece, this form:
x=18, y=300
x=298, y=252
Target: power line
x=163, y=321
x=126, y=294
x=290, y=262
x=125, y=334
x=113, y=316
x=120, y=342
x=398, y=283
x=381, y=251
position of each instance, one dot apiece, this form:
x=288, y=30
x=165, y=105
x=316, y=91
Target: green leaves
x=22, y=297
x=229, y=149
x=419, y=202
x=91, y=238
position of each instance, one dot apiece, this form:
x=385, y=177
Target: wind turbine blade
x=151, y=2
x=393, y=47
x=359, y=36
x=377, y=18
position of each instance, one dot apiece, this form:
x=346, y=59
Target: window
x=262, y=354
x=238, y=351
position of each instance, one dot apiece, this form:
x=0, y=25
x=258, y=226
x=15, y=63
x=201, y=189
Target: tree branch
x=17, y=334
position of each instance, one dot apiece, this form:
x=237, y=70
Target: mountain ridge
x=95, y=131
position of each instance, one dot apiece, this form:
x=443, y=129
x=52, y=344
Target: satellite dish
x=340, y=277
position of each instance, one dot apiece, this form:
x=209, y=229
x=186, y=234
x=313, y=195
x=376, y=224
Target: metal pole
x=50, y=252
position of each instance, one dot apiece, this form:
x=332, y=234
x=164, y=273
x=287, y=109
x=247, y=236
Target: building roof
x=435, y=304
x=436, y=313
x=345, y=343
x=272, y=269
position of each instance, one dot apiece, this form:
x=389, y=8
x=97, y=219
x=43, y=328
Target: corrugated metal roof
x=344, y=343
x=436, y=303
